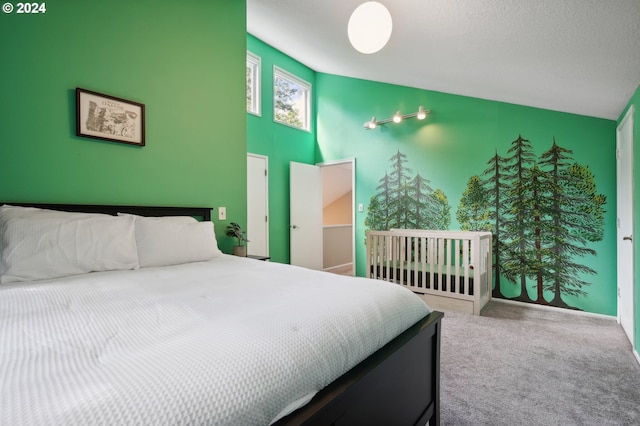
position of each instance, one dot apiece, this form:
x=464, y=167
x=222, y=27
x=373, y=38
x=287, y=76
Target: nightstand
x=258, y=257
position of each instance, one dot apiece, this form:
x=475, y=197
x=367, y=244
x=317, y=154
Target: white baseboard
x=555, y=309
x=635, y=353
x=344, y=265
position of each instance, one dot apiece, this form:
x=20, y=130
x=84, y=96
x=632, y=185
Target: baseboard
x=635, y=353
x=555, y=309
x=333, y=268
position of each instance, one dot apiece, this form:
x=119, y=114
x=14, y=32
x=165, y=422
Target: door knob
x=628, y=238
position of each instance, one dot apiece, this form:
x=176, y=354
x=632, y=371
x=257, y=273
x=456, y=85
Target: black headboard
x=202, y=212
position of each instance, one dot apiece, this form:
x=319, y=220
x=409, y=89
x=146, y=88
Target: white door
x=257, y=205
x=305, y=185
x=624, y=174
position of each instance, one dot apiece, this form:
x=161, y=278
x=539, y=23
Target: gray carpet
x=519, y=365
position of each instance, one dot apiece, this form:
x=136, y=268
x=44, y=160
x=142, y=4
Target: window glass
x=253, y=83
x=291, y=103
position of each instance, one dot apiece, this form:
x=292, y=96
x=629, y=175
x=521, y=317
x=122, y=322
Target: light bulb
x=371, y=124
x=397, y=117
x=421, y=115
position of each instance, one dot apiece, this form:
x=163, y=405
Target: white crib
x=452, y=269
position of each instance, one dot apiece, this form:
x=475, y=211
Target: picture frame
x=105, y=117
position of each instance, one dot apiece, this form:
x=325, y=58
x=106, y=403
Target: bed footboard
x=397, y=385
x=453, y=265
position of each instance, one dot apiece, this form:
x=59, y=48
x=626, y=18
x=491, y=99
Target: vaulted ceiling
x=577, y=56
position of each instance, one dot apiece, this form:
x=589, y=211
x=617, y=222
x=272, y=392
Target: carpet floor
x=520, y=365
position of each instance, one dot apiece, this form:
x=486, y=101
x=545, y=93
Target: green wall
x=635, y=100
x=282, y=144
x=184, y=62
x=456, y=142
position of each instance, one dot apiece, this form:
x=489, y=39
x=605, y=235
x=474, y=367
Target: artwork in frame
x=105, y=117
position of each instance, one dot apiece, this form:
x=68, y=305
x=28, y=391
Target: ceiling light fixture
x=369, y=27
x=421, y=114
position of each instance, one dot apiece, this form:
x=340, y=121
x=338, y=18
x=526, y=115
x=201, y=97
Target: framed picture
x=105, y=117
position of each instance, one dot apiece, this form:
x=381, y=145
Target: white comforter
x=230, y=341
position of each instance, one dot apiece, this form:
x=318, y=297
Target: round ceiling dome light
x=370, y=27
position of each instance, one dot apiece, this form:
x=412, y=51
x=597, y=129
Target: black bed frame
x=202, y=212
x=397, y=385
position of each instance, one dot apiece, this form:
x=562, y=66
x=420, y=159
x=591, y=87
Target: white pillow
x=172, y=240
x=40, y=244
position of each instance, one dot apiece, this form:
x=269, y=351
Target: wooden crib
x=452, y=269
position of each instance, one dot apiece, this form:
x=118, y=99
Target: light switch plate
x=222, y=213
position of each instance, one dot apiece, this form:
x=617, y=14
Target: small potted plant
x=235, y=230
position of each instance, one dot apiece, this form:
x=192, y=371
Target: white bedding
x=229, y=341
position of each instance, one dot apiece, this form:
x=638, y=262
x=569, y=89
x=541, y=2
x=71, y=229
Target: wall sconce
x=421, y=114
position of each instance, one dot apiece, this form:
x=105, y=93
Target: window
x=291, y=100
x=253, y=83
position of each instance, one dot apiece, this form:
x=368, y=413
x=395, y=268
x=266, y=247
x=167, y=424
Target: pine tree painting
x=495, y=185
x=543, y=212
x=407, y=202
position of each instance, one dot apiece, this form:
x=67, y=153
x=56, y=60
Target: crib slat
x=432, y=262
x=467, y=285
x=423, y=260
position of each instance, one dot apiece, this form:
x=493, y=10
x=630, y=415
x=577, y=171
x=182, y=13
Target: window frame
x=255, y=62
x=306, y=88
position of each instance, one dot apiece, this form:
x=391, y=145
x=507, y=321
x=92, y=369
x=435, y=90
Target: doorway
x=338, y=217
x=624, y=185
x=322, y=213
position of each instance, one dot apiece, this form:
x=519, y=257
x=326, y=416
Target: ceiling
x=337, y=181
x=577, y=56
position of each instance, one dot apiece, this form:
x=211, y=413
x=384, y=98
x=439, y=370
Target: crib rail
x=454, y=264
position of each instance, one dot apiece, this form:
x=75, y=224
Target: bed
x=450, y=268
x=148, y=323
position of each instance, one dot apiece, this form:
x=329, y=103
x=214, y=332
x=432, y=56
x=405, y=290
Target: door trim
x=629, y=116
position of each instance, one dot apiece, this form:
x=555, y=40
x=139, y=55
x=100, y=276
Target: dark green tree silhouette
x=495, y=186
x=380, y=208
x=518, y=226
x=588, y=205
x=474, y=212
x=442, y=217
x=566, y=242
x=376, y=219
x=422, y=208
x=538, y=209
x=542, y=214
x=398, y=187
x=405, y=202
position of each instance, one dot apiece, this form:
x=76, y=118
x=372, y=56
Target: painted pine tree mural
x=421, y=206
x=570, y=220
x=403, y=201
x=539, y=209
x=543, y=213
x=495, y=185
x=474, y=211
x=441, y=218
x=518, y=228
